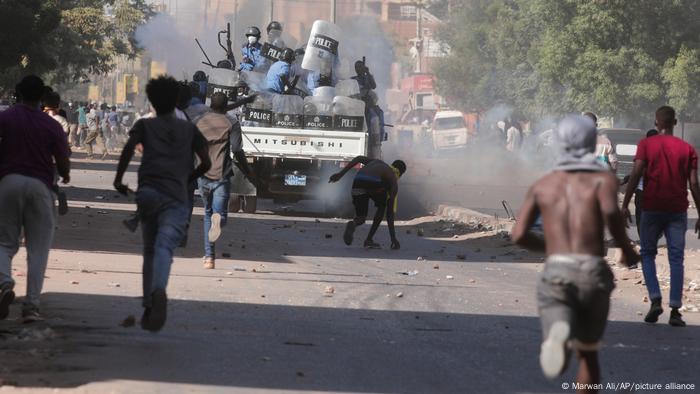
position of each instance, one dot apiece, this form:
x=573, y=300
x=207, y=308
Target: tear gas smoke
x=170, y=39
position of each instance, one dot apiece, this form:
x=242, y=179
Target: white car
x=449, y=130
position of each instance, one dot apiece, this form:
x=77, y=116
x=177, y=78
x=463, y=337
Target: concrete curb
x=468, y=216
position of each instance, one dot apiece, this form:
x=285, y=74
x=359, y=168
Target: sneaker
x=676, y=319
x=6, y=298
x=654, y=311
x=554, y=353
x=155, y=316
x=131, y=223
x=31, y=315
x=349, y=232
x=215, y=230
x=62, y=203
x=369, y=244
x=209, y=263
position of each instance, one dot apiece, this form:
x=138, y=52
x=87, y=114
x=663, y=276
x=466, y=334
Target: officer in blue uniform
x=252, y=50
x=279, y=74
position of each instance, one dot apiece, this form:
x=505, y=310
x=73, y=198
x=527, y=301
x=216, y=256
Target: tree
x=65, y=40
x=682, y=77
x=613, y=57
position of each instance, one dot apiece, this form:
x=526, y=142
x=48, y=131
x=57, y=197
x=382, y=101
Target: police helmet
x=274, y=25
x=225, y=64
x=288, y=55
x=199, y=76
x=242, y=88
x=253, y=31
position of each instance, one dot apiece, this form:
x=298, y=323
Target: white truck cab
x=449, y=130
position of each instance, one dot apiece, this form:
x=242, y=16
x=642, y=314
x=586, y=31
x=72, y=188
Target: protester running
x=30, y=142
x=169, y=145
x=577, y=202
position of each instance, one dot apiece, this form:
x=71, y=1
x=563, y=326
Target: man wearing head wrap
x=670, y=167
x=577, y=201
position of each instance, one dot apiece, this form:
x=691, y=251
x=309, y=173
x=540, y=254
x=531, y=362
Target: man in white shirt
x=514, y=137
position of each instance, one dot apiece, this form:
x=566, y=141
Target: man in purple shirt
x=30, y=142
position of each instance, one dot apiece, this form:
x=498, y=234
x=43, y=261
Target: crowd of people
x=185, y=145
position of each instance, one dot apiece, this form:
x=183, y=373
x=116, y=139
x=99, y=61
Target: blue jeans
x=163, y=221
x=673, y=227
x=215, y=195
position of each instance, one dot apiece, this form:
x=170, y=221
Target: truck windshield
x=449, y=123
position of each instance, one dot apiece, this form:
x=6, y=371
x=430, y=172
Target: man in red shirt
x=669, y=165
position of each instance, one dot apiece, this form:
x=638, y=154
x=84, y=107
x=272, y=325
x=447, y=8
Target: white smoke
x=170, y=39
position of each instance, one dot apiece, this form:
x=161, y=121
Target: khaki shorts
x=576, y=289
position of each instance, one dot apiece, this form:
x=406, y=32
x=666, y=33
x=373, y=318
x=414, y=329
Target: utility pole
x=419, y=37
x=333, y=10
x=235, y=15
x=205, y=22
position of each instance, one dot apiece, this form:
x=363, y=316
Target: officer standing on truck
x=364, y=78
x=274, y=34
x=251, y=50
x=277, y=80
x=379, y=182
x=374, y=117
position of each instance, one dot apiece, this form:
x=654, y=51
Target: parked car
x=449, y=130
x=624, y=143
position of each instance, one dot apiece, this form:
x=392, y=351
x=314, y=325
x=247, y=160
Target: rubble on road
x=30, y=334
x=129, y=321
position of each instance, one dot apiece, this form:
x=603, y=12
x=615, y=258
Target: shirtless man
x=376, y=181
x=577, y=201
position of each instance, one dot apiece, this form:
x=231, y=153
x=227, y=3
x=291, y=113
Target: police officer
x=199, y=94
x=278, y=76
x=251, y=50
x=274, y=34
x=364, y=78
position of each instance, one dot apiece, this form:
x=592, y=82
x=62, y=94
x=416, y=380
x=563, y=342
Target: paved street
x=289, y=307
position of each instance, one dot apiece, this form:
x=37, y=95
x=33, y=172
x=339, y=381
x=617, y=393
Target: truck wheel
x=251, y=204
